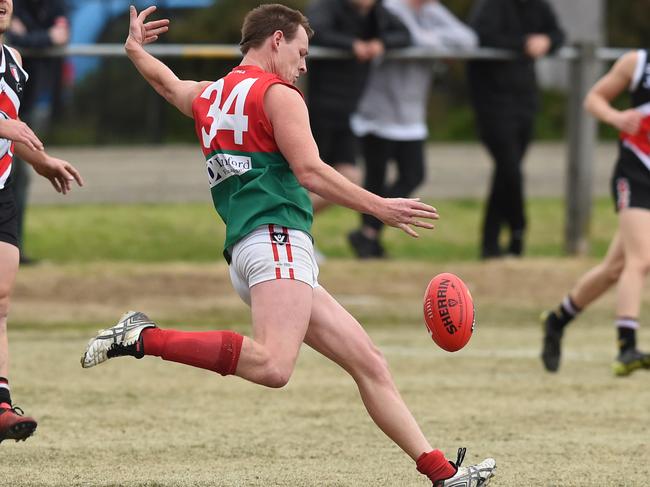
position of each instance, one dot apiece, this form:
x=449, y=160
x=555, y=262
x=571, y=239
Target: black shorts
x=336, y=145
x=8, y=218
x=630, y=182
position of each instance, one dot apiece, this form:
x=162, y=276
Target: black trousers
x=409, y=158
x=506, y=137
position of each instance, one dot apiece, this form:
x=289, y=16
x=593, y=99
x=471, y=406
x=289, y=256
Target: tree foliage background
x=114, y=105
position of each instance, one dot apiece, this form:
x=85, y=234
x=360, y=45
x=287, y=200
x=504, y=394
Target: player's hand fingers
x=421, y=224
x=133, y=14
x=146, y=12
x=432, y=215
x=154, y=24
x=55, y=183
x=408, y=230
x=417, y=204
x=157, y=32
x=75, y=175
x=33, y=141
x=151, y=39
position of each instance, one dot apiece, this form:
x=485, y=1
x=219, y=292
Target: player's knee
x=276, y=373
x=613, y=271
x=277, y=377
x=374, y=365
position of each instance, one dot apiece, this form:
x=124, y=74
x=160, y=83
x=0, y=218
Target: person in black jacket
x=366, y=29
x=37, y=24
x=505, y=98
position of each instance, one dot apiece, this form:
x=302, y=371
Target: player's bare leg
x=8, y=271
x=599, y=279
x=589, y=287
x=280, y=311
x=337, y=335
x=13, y=425
x=634, y=228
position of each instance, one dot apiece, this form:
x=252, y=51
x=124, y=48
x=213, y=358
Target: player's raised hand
x=18, y=131
x=406, y=213
x=142, y=32
x=60, y=173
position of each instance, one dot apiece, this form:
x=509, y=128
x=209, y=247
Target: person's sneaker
x=478, y=475
x=630, y=360
x=552, y=344
x=14, y=425
x=122, y=339
x=364, y=247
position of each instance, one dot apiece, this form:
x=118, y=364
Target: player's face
x=292, y=56
x=6, y=9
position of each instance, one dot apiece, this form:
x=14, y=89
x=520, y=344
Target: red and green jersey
x=250, y=180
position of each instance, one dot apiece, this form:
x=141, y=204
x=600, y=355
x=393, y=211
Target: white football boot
x=478, y=475
x=122, y=339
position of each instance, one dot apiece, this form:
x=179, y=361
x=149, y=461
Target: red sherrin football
x=449, y=311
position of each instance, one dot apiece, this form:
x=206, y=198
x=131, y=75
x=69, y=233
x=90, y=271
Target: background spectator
x=391, y=116
x=505, y=98
x=366, y=29
x=37, y=24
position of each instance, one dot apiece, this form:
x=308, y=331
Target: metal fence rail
x=585, y=65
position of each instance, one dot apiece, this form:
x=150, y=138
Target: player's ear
x=277, y=38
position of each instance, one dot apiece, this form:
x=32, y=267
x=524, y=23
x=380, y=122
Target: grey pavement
x=176, y=173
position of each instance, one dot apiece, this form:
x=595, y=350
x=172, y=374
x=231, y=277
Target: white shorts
x=272, y=252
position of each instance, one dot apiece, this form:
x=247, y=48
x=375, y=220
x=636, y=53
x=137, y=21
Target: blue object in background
x=89, y=18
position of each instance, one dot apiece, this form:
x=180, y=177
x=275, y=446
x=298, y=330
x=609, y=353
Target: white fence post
x=583, y=72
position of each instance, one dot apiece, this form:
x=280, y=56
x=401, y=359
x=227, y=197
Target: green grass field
x=193, y=232
x=151, y=423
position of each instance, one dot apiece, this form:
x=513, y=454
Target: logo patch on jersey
x=13, y=69
x=622, y=193
x=280, y=238
x=221, y=166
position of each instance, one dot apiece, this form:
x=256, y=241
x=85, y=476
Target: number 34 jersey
x=250, y=180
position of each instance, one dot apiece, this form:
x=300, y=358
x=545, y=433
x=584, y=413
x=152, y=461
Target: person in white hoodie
x=391, y=116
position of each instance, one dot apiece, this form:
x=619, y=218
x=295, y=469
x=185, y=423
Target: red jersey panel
x=639, y=143
x=229, y=114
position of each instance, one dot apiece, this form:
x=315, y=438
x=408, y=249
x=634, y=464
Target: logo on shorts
x=622, y=193
x=280, y=238
x=221, y=166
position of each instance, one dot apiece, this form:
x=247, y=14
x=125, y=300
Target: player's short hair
x=261, y=22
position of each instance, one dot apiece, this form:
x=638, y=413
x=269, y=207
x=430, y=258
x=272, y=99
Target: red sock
x=435, y=466
x=212, y=350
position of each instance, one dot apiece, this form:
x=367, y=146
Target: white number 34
x=221, y=118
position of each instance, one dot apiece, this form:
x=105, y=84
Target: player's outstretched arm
x=288, y=115
x=179, y=93
x=612, y=84
x=60, y=173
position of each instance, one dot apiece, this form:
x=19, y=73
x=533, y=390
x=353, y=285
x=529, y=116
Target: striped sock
x=565, y=313
x=626, y=328
x=5, y=395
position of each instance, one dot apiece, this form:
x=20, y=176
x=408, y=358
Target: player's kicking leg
x=337, y=335
x=280, y=309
